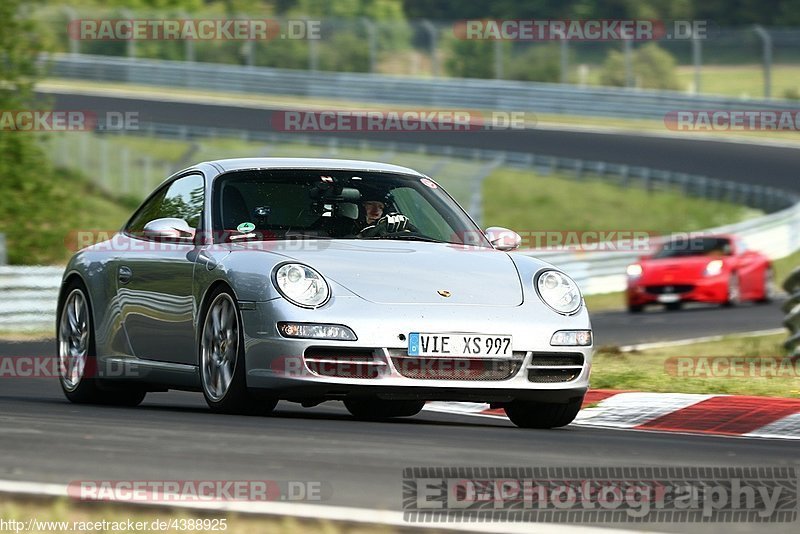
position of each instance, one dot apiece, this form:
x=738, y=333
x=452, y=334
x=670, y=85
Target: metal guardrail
x=458, y=93
x=28, y=297
x=792, y=310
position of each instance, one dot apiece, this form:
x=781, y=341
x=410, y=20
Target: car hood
x=403, y=272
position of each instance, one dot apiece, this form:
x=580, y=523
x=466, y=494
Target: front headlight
x=559, y=291
x=634, y=271
x=713, y=268
x=301, y=285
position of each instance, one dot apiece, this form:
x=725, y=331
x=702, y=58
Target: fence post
x=373, y=42
x=498, y=59
x=697, y=60
x=432, y=32
x=766, y=41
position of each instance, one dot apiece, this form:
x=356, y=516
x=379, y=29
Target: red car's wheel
x=770, y=289
x=734, y=292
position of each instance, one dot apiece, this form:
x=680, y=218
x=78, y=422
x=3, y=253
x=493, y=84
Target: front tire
x=379, y=409
x=77, y=361
x=529, y=414
x=222, y=359
x=734, y=297
x=770, y=290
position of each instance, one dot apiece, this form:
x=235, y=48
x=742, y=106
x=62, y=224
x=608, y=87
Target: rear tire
x=222, y=359
x=76, y=353
x=379, y=409
x=529, y=414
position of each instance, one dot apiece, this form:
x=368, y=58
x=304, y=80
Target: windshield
x=697, y=246
x=323, y=204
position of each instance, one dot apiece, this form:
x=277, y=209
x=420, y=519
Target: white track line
x=321, y=512
x=690, y=341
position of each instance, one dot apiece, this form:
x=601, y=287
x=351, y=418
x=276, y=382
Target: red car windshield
x=697, y=246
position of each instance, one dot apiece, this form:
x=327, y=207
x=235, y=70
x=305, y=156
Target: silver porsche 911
x=307, y=280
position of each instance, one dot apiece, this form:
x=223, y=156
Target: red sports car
x=715, y=269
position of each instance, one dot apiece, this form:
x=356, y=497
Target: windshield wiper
x=410, y=237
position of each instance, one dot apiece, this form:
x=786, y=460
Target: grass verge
x=733, y=366
x=527, y=202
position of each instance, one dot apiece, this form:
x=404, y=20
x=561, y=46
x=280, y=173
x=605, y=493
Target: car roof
x=237, y=164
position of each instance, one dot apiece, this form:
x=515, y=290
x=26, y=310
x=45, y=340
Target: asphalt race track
x=754, y=164
x=172, y=436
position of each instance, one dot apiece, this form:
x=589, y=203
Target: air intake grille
x=456, y=368
x=550, y=368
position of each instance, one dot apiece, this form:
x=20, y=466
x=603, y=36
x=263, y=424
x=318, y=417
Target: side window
x=182, y=199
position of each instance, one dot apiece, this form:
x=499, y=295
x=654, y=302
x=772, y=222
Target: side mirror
x=170, y=229
x=503, y=238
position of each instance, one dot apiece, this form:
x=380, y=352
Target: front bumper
x=279, y=364
x=711, y=290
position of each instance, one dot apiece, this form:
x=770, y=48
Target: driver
x=379, y=223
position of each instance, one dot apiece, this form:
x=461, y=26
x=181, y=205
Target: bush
x=539, y=63
x=792, y=93
x=653, y=68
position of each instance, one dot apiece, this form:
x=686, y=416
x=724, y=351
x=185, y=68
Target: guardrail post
x=646, y=179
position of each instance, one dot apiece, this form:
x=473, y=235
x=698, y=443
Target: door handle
x=124, y=274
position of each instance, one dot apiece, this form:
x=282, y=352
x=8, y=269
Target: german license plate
x=669, y=298
x=470, y=345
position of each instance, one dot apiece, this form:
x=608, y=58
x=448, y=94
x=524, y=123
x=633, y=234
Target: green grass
x=527, y=202
x=745, y=81
x=648, y=370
